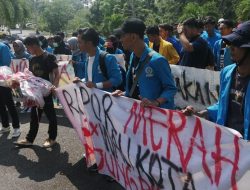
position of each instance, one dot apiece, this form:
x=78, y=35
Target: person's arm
x=189, y=110
x=56, y=77
x=113, y=71
x=114, y=75
x=5, y=56
x=10, y=83
x=169, y=89
x=187, y=46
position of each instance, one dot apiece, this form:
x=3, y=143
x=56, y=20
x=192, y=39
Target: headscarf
x=73, y=43
x=20, y=53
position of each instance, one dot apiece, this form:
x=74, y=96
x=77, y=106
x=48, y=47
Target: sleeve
x=173, y=55
x=52, y=63
x=5, y=56
x=113, y=70
x=213, y=110
x=164, y=73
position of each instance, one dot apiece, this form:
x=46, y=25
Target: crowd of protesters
x=148, y=51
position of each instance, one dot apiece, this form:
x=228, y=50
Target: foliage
x=106, y=15
x=13, y=12
x=56, y=15
x=243, y=10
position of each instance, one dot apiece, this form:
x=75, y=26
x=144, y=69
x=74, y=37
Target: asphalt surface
x=61, y=167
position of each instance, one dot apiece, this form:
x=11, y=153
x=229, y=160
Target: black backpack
x=104, y=71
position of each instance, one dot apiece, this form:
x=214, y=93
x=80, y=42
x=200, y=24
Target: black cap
x=240, y=36
x=134, y=25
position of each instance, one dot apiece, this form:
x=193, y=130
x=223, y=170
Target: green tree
x=56, y=15
x=196, y=10
x=79, y=21
x=243, y=10
x=14, y=12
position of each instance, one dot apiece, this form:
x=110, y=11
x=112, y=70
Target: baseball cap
x=240, y=36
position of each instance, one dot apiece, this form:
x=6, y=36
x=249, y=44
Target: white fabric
x=32, y=89
x=90, y=67
x=152, y=148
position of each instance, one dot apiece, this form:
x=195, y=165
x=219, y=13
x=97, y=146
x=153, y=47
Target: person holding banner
x=149, y=76
x=233, y=107
x=6, y=98
x=94, y=75
x=42, y=65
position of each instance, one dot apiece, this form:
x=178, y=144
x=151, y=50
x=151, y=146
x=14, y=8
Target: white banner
x=66, y=72
x=18, y=65
x=153, y=148
x=196, y=87
x=32, y=89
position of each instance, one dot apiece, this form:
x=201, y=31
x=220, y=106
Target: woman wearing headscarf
x=78, y=57
x=20, y=51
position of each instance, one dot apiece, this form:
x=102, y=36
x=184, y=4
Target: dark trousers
x=36, y=114
x=6, y=99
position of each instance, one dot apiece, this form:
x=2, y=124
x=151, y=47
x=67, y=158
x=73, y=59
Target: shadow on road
x=87, y=179
x=46, y=164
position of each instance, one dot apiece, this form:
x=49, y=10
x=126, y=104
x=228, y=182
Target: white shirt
x=90, y=67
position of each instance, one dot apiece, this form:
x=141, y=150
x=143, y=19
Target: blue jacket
x=227, y=55
x=176, y=43
x=156, y=79
x=211, y=40
x=113, y=70
x=218, y=112
x=118, y=51
x=79, y=67
x=5, y=55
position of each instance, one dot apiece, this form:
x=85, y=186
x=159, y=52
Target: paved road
x=59, y=168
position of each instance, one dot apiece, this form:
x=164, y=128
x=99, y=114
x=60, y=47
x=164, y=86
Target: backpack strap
x=102, y=64
x=146, y=61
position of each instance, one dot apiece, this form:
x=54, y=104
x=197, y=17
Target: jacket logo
x=149, y=72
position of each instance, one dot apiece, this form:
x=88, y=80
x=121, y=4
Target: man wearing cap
x=149, y=76
x=233, y=108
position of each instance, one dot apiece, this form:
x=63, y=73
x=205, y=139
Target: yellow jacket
x=168, y=51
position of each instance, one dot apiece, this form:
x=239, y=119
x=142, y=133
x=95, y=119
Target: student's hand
x=76, y=80
x=117, y=93
x=72, y=62
x=180, y=28
x=53, y=90
x=188, y=111
x=90, y=84
x=146, y=102
x=13, y=83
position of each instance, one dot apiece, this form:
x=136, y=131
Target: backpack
x=104, y=71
